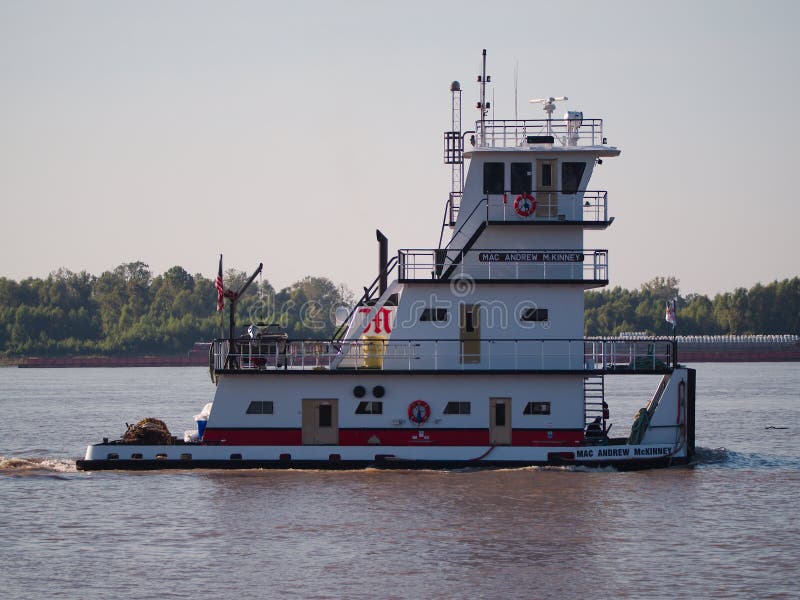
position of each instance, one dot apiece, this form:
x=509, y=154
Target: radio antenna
x=516, y=95
x=483, y=106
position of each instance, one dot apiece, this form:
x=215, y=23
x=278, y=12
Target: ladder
x=594, y=400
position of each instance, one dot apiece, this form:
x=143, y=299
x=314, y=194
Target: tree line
x=762, y=309
x=129, y=311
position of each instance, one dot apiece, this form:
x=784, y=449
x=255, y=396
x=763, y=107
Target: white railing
x=590, y=206
x=597, y=355
x=508, y=133
x=504, y=264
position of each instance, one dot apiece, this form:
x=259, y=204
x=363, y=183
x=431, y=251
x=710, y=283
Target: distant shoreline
x=50, y=362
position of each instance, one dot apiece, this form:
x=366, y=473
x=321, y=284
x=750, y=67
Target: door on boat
x=546, y=195
x=470, y=332
x=320, y=421
x=499, y=421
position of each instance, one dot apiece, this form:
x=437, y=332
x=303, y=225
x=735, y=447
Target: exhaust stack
x=383, y=259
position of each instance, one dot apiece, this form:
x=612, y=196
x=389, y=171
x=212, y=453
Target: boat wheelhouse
x=471, y=353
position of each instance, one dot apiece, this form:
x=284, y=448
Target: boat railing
x=514, y=133
x=572, y=206
x=510, y=264
x=651, y=355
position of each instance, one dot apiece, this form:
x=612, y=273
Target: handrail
x=488, y=264
x=604, y=355
x=505, y=133
x=464, y=224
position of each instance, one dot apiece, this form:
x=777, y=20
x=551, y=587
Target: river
x=726, y=527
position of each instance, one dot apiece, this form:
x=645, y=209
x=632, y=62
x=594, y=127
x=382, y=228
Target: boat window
x=469, y=325
x=537, y=408
x=369, y=408
x=434, y=314
x=521, y=178
x=547, y=174
x=500, y=414
x=534, y=314
x=571, y=175
x=325, y=415
x=261, y=407
x=493, y=177
x=458, y=408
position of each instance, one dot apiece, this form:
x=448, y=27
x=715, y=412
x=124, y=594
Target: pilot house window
x=521, y=178
x=571, y=175
x=493, y=178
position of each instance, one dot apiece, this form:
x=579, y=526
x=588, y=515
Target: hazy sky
x=287, y=132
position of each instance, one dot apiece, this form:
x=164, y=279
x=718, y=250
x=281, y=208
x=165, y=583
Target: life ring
x=419, y=411
x=525, y=204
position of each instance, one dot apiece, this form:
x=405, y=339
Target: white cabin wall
x=502, y=306
x=286, y=391
x=530, y=237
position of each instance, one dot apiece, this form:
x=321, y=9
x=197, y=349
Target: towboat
x=469, y=354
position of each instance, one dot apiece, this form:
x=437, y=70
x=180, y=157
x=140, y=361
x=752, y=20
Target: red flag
x=219, y=288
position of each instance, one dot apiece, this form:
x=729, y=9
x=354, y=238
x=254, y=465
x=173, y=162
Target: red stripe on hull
x=394, y=437
x=254, y=437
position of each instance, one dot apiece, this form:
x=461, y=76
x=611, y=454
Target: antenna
x=483, y=106
x=548, y=105
x=516, y=95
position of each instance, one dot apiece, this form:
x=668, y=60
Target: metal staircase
x=453, y=264
x=594, y=400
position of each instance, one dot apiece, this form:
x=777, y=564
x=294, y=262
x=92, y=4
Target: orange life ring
x=419, y=411
x=525, y=204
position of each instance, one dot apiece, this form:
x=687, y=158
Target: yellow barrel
x=373, y=348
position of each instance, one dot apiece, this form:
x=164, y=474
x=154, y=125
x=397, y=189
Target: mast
x=483, y=106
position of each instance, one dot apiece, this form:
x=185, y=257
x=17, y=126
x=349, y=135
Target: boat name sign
x=564, y=257
x=622, y=452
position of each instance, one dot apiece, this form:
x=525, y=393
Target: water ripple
x=705, y=457
x=17, y=466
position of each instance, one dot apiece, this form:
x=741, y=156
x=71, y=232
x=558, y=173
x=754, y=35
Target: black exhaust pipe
x=383, y=260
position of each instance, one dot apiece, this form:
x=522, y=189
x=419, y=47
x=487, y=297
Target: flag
x=219, y=288
x=670, y=314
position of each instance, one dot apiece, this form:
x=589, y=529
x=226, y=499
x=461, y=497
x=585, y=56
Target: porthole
x=136, y=456
x=186, y=456
x=236, y=456
x=112, y=456
x=359, y=391
x=378, y=391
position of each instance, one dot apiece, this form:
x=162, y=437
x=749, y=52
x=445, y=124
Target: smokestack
x=383, y=259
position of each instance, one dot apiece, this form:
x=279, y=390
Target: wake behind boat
x=468, y=354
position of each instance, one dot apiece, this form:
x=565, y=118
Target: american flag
x=669, y=316
x=219, y=288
